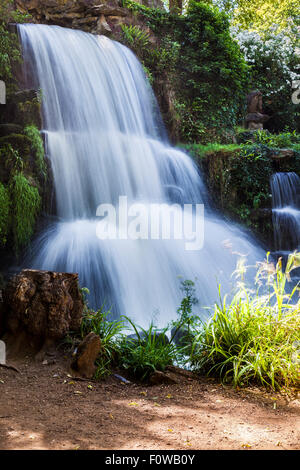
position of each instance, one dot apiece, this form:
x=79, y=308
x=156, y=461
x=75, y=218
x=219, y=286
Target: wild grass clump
x=148, y=351
x=255, y=336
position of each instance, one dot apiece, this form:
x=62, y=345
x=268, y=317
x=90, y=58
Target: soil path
x=43, y=408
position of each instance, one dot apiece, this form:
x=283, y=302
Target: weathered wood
x=40, y=307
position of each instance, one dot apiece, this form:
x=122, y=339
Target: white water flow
x=106, y=139
x=286, y=210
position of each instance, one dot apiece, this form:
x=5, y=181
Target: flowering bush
x=275, y=64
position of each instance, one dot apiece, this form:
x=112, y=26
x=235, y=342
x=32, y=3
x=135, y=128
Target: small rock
x=159, y=377
x=86, y=355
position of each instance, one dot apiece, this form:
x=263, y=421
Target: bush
x=254, y=338
x=274, y=65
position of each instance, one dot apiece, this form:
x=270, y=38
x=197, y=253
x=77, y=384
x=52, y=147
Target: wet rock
x=40, y=307
x=86, y=355
x=102, y=25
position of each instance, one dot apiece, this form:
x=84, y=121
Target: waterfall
x=105, y=139
x=286, y=210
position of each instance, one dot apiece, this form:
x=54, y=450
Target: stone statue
x=255, y=118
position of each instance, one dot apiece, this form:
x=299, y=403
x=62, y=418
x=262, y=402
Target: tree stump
x=39, y=308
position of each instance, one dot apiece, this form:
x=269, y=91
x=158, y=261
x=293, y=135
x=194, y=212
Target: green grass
x=256, y=336
x=201, y=151
x=148, y=352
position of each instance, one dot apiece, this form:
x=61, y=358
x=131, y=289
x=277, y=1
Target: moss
x=29, y=112
x=26, y=202
x=4, y=214
x=33, y=133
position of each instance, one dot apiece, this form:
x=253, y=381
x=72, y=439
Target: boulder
x=86, y=355
x=40, y=307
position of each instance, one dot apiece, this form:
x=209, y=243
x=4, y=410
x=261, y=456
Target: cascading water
x=286, y=210
x=105, y=139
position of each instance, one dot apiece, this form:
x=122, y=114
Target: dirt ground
x=43, y=408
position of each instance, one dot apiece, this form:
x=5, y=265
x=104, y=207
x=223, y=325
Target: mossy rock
x=23, y=108
x=19, y=142
x=11, y=128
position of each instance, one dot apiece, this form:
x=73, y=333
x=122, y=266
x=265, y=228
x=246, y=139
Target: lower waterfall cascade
x=105, y=139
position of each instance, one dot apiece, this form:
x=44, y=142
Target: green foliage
x=200, y=66
x=26, y=203
x=284, y=140
x=38, y=147
x=4, y=214
x=148, y=352
x=185, y=310
x=261, y=15
x=254, y=337
x=135, y=37
x=9, y=44
x=200, y=151
x=238, y=175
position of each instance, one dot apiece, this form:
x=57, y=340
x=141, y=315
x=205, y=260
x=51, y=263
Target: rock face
x=95, y=16
x=86, y=355
x=42, y=306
